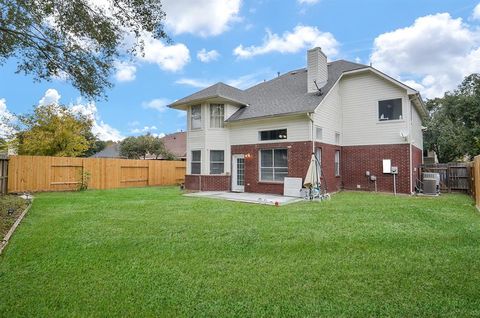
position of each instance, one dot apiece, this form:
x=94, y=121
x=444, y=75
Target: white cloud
x=201, y=17
x=246, y=81
x=308, y=1
x=476, y=12
x=159, y=104
x=197, y=83
x=241, y=82
x=436, y=52
x=143, y=130
x=6, y=120
x=160, y=135
x=101, y=129
x=301, y=38
x=125, y=71
x=207, y=56
x=167, y=57
x=51, y=97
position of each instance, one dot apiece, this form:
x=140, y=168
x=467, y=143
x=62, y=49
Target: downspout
x=310, y=116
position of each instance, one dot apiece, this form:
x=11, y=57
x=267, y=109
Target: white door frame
x=235, y=186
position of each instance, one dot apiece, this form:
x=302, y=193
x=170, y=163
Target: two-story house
x=351, y=115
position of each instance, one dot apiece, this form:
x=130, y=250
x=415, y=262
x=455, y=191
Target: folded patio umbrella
x=313, y=173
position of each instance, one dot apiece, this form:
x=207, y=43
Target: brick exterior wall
x=356, y=160
x=298, y=160
x=417, y=160
x=207, y=183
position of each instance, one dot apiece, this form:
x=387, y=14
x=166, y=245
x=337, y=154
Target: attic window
x=273, y=134
x=390, y=109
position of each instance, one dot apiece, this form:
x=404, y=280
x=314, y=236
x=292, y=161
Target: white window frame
x=318, y=155
x=215, y=117
x=199, y=119
x=273, y=167
x=196, y=162
x=217, y=162
x=318, y=129
x=337, y=163
x=337, y=138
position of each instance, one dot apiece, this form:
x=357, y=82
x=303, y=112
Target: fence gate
x=453, y=176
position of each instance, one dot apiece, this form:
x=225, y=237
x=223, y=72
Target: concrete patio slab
x=258, y=198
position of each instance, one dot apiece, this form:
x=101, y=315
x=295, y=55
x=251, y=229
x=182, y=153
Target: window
x=390, y=109
x=337, y=138
x=273, y=134
x=196, y=162
x=196, y=117
x=337, y=163
x=273, y=165
x=216, y=115
x=319, y=133
x=318, y=155
x=216, y=161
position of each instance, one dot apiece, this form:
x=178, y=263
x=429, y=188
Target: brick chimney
x=316, y=69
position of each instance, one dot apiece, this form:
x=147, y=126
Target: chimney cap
x=317, y=48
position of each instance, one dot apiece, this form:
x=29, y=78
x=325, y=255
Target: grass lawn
x=152, y=252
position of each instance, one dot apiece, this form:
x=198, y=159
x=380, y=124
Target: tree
x=77, y=39
x=52, y=131
x=97, y=145
x=129, y=148
x=453, y=127
x=141, y=146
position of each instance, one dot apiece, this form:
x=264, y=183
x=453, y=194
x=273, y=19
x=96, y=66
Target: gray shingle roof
x=286, y=94
x=218, y=90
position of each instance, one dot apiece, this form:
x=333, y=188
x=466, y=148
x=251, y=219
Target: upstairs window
x=196, y=162
x=216, y=161
x=319, y=133
x=390, y=109
x=337, y=138
x=273, y=165
x=217, y=115
x=277, y=134
x=196, y=117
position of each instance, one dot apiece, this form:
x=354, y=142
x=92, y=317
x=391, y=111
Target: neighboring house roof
x=175, y=143
x=286, y=94
x=110, y=151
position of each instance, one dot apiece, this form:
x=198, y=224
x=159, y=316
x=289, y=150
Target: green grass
x=152, y=252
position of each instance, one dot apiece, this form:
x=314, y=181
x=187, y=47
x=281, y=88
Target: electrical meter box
x=394, y=170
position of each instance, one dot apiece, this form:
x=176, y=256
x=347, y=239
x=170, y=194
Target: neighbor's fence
x=36, y=173
x=453, y=176
x=3, y=174
x=475, y=177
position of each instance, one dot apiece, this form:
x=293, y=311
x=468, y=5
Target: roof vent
x=294, y=72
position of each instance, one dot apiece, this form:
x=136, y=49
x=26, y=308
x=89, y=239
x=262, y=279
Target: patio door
x=238, y=173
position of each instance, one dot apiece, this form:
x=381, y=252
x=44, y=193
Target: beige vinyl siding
x=247, y=132
x=328, y=116
x=416, y=128
x=360, y=95
x=208, y=139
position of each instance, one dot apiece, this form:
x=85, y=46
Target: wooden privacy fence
x=37, y=173
x=475, y=175
x=453, y=176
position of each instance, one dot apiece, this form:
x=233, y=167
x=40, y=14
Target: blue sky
x=429, y=44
